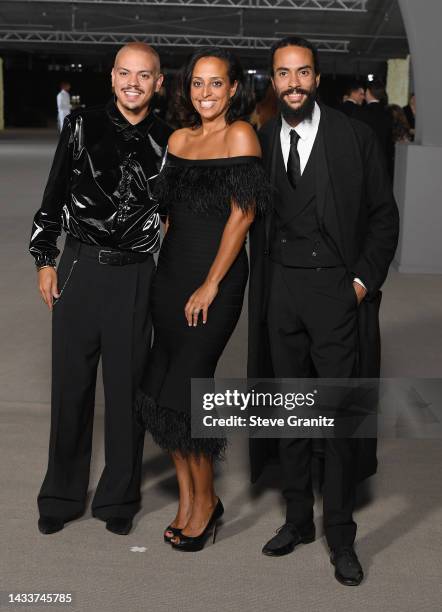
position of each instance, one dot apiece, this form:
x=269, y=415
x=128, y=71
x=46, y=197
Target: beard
x=305, y=111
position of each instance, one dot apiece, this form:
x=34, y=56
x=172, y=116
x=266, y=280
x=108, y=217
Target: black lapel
x=328, y=174
x=322, y=173
x=272, y=157
x=275, y=142
x=343, y=159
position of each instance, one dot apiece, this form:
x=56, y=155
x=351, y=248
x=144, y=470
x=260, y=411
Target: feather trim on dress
x=246, y=185
x=171, y=430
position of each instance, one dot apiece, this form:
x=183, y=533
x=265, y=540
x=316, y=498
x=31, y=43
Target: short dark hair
x=241, y=103
x=377, y=90
x=295, y=41
x=353, y=86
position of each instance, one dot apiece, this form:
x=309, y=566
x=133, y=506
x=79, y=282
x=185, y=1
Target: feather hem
x=171, y=430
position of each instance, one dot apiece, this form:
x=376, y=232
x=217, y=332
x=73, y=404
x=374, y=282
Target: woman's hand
x=199, y=302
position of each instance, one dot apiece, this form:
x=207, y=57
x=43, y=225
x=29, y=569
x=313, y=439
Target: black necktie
x=293, y=162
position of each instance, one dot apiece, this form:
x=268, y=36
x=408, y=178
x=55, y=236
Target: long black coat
x=356, y=206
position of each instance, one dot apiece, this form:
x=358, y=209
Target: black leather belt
x=109, y=257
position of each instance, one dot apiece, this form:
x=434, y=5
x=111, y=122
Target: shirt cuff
x=358, y=280
x=45, y=259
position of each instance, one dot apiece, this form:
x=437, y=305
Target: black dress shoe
x=120, y=526
x=348, y=570
x=287, y=537
x=50, y=524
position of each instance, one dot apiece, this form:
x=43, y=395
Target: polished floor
x=399, y=512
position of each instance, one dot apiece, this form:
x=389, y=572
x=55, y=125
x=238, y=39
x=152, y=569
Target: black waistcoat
x=296, y=238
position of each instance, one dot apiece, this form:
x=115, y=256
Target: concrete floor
x=399, y=511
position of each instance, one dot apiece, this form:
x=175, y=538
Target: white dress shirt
x=307, y=131
x=63, y=106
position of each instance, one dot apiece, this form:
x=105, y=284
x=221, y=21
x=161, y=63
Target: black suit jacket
x=379, y=119
x=356, y=206
x=351, y=109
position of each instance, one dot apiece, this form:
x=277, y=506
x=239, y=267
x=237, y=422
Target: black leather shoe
x=348, y=570
x=287, y=537
x=120, y=526
x=50, y=524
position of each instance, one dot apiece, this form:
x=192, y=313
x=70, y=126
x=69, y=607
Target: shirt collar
x=306, y=128
x=122, y=125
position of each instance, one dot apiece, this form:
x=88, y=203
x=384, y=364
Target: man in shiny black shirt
x=100, y=192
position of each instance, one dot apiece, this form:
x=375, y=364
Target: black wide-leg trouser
x=103, y=311
x=312, y=326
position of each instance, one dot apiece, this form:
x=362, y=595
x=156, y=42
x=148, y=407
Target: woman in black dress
x=210, y=188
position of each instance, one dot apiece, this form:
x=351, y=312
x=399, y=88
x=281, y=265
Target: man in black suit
x=317, y=264
x=375, y=114
x=353, y=99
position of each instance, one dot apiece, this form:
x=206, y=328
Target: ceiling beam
x=158, y=40
x=349, y=6
x=380, y=27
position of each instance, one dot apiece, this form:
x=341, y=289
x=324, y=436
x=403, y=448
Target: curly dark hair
x=294, y=41
x=242, y=102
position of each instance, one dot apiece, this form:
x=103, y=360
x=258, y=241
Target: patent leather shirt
x=100, y=185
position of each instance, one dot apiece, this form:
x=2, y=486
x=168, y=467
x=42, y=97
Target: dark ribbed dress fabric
x=197, y=196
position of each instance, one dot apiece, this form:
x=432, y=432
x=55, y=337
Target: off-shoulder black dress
x=197, y=196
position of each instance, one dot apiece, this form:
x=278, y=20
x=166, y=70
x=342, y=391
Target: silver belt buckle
x=99, y=256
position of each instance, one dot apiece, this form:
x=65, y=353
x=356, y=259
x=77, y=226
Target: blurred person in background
x=353, y=99
x=160, y=103
x=400, y=131
x=410, y=114
x=400, y=125
x=64, y=106
x=376, y=115
x=265, y=109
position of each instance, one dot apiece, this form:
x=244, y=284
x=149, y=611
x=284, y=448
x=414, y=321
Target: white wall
x=418, y=171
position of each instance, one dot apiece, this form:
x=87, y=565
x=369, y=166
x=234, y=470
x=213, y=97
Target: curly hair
x=242, y=102
x=294, y=41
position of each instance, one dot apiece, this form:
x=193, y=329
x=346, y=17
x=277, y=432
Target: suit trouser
x=102, y=310
x=312, y=326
